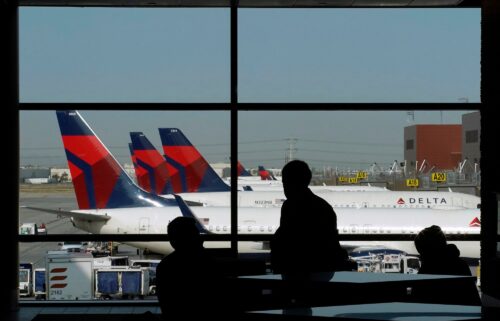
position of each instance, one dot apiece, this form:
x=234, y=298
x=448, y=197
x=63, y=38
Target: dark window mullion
x=234, y=125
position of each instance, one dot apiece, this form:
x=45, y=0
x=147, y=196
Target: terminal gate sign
x=353, y=180
x=412, y=182
x=438, y=177
x=362, y=175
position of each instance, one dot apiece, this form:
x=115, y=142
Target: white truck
x=399, y=263
x=109, y=261
x=388, y=263
x=69, y=275
x=39, y=284
x=28, y=229
x=25, y=279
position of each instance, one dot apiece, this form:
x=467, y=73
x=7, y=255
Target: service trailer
x=69, y=275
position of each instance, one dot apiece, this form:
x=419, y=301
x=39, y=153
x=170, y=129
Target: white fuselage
x=342, y=199
x=274, y=186
x=154, y=220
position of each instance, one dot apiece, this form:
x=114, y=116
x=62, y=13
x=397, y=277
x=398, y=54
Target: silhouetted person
x=188, y=280
x=307, y=238
x=438, y=257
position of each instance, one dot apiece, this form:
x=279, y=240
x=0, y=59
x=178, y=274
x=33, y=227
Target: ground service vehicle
x=39, y=285
x=25, y=279
x=69, y=275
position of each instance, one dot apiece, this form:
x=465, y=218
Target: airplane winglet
x=186, y=211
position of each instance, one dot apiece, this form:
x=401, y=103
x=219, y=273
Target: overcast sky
x=182, y=55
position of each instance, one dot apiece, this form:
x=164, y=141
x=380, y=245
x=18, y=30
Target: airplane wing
x=82, y=216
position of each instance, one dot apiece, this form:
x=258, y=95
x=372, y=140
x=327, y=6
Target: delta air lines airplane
x=110, y=203
x=198, y=183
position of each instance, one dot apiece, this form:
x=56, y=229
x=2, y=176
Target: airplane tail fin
x=152, y=173
x=265, y=175
x=141, y=174
x=187, y=165
x=98, y=179
x=242, y=170
x=132, y=157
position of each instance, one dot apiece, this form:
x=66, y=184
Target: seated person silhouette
x=189, y=280
x=306, y=241
x=439, y=257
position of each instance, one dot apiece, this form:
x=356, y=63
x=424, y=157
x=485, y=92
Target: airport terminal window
x=359, y=55
x=124, y=55
x=343, y=161
x=50, y=180
x=279, y=137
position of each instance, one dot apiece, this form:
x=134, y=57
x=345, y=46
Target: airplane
x=148, y=158
x=242, y=172
x=277, y=185
x=188, y=165
x=266, y=175
x=141, y=174
x=111, y=203
x=179, y=152
x=244, y=175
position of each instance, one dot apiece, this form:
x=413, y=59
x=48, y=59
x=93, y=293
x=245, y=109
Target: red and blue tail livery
x=151, y=171
x=242, y=170
x=186, y=163
x=141, y=174
x=265, y=175
x=98, y=179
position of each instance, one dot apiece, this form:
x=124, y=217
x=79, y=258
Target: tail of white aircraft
x=242, y=171
x=266, y=175
x=150, y=167
x=98, y=179
x=187, y=166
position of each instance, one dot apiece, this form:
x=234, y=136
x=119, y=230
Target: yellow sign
x=353, y=180
x=343, y=179
x=362, y=175
x=412, y=182
x=438, y=177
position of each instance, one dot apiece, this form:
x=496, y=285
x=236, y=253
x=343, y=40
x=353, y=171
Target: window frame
x=234, y=107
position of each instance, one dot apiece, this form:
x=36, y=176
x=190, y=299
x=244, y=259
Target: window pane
x=358, y=165
x=87, y=180
x=124, y=55
x=359, y=55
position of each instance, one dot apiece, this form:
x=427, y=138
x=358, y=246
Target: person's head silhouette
x=431, y=241
x=296, y=177
x=183, y=234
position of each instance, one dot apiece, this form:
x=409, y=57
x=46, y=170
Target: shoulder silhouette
x=307, y=238
x=187, y=278
x=439, y=257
